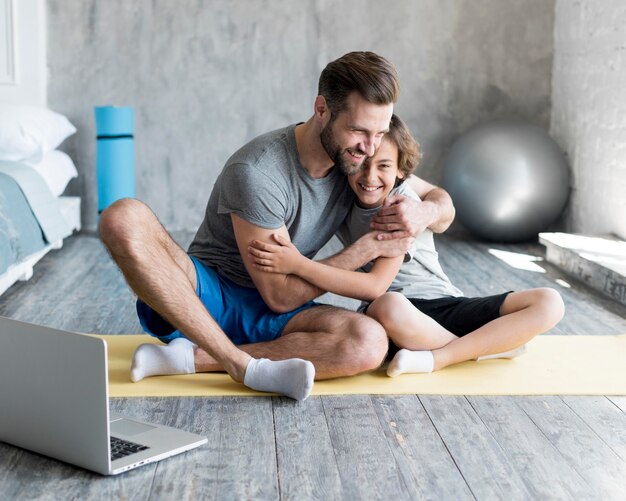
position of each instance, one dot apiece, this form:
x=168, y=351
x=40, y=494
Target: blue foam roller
x=115, y=164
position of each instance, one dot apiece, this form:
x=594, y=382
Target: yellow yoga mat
x=553, y=365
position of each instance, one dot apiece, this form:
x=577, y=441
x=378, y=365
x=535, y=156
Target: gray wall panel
x=589, y=111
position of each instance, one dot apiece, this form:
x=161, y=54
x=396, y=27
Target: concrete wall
x=589, y=110
x=205, y=77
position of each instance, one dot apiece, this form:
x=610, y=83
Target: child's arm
x=285, y=258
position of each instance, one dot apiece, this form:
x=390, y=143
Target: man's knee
x=121, y=223
x=366, y=343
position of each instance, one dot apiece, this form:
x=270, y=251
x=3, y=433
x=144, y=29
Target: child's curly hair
x=409, y=152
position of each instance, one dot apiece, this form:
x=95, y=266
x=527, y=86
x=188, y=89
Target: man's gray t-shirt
x=421, y=275
x=265, y=184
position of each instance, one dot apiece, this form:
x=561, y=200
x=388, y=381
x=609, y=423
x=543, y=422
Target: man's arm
x=402, y=216
x=281, y=293
x=284, y=258
x=284, y=293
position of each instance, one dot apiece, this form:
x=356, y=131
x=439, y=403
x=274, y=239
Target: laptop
x=54, y=400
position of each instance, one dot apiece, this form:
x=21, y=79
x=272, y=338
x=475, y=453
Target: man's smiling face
x=353, y=134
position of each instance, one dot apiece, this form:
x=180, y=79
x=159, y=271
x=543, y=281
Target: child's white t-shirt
x=421, y=275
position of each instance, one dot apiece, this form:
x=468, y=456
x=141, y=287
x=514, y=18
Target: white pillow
x=57, y=169
x=28, y=132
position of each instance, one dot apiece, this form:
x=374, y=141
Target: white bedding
x=57, y=170
x=30, y=135
x=27, y=133
x=29, y=138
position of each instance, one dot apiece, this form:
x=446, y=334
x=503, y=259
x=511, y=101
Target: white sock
x=411, y=361
x=292, y=378
x=505, y=354
x=155, y=360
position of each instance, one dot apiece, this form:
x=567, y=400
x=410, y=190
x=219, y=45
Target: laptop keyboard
x=122, y=448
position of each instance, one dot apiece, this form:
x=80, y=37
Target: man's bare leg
x=163, y=276
x=338, y=342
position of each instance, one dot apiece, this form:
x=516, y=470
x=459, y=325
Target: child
x=422, y=312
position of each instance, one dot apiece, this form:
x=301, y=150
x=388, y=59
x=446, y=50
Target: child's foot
x=407, y=361
x=292, y=378
x=155, y=360
x=506, y=354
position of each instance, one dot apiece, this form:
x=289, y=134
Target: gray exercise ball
x=508, y=180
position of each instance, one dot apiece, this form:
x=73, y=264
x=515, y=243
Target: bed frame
x=22, y=271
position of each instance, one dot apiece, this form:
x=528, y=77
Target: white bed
x=30, y=134
x=34, y=216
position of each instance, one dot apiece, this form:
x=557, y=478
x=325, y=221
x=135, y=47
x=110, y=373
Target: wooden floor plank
x=619, y=402
x=490, y=275
x=239, y=461
x=600, y=466
x=537, y=461
x=484, y=464
x=307, y=468
x=419, y=452
x=10, y=460
x=605, y=419
x=367, y=467
x=26, y=475
x=53, y=278
x=81, y=279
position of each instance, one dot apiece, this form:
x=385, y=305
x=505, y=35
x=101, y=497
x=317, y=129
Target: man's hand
x=282, y=258
x=401, y=217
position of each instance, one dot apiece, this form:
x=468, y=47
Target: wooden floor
x=341, y=447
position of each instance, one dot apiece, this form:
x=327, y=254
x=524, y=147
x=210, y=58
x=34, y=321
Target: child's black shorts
x=461, y=315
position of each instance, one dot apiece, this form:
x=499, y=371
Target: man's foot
x=407, y=361
x=292, y=378
x=154, y=360
x=506, y=354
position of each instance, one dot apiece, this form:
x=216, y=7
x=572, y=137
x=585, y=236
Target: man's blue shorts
x=239, y=311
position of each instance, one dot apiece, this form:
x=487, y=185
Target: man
x=291, y=182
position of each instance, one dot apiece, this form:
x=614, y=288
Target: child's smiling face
x=373, y=183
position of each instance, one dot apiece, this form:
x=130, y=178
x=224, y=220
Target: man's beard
x=335, y=151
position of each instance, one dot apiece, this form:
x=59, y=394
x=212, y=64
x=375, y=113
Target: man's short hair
x=409, y=153
x=369, y=74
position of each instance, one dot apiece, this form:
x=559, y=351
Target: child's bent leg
x=523, y=316
x=406, y=326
